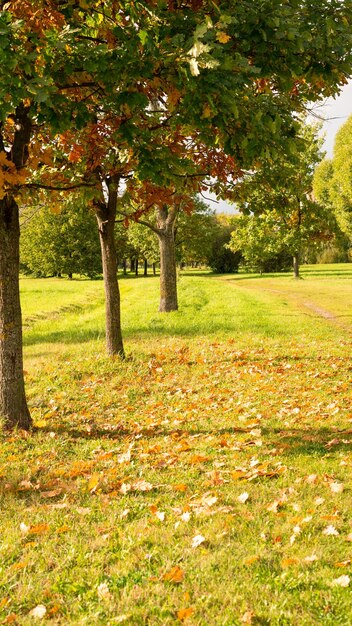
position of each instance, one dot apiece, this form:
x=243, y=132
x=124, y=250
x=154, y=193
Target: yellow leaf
x=222, y=37
x=93, y=482
x=207, y=112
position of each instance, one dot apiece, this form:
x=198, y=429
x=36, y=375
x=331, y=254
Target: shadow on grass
x=292, y=441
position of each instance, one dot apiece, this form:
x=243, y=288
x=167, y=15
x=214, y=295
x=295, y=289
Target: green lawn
x=206, y=480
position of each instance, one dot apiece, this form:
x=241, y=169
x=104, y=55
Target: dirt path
x=298, y=300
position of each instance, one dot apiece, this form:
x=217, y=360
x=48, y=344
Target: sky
x=335, y=112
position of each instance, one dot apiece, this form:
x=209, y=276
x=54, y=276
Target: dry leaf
x=39, y=529
x=104, y=592
x=330, y=530
x=310, y=559
x=336, y=487
x=247, y=617
x=243, y=497
x=251, y=559
x=38, y=611
x=197, y=541
x=93, y=483
x=342, y=581
x=183, y=614
x=343, y=563
x=287, y=562
x=141, y=485
x=175, y=575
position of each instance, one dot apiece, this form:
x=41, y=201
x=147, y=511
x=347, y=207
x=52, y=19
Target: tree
x=61, y=242
x=333, y=179
x=280, y=196
x=221, y=259
x=65, y=64
x=195, y=234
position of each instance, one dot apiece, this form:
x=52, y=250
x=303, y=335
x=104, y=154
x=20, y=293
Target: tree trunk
x=106, y=215
x=13, y=404
x=168, y=284
x=136, y=266
x=166, y=218
x=154, y=269
x=132, y=264
x=296, y=266
x=145, y=271
x=124, y=266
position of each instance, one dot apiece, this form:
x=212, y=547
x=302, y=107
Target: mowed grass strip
x=205, y=480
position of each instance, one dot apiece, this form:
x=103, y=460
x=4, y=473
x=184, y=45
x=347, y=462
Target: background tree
x=64, y=242
x=222, y=259
x=333, y=179
x=279, y=194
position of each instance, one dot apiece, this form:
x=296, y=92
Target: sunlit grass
x=244, y=390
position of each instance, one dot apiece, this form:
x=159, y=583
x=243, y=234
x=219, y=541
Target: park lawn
x=204, y=480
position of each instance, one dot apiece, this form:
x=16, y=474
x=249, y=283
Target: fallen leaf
x=183, y=614
x=336, y=487
x=38, y=611
x=310, y=559
x=197, y=541
x=247, y=617
x=38, y=529
x=141, y=485
x=287, y=562
x=343, y=563
x=243, y=497
x=251, y=559
x=93, y=483
x=175, y=575
x=330, y=530
x=342, y=581
x=103, y=592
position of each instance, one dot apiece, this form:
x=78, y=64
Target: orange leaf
x=180, y=487
x=175, y=575
x=38, y=529
x=10, y=619
x=287, y=562
x=251, y=559
x=183, y=614
x=20, y=565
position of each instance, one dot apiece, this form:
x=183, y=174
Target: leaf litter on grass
x=183, y=474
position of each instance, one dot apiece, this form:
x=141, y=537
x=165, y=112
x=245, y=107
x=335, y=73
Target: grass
x=245, y=390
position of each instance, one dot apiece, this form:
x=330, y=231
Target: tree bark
x=136, y=266
x=13, y=404
x=106, y=215
x=145, y=270
x=166, y=218
x=295, y=260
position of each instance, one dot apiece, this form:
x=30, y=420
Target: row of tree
x=144, y=104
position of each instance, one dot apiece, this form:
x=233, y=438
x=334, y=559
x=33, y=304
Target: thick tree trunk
x=106, y=214
x=296, y=266
x=168, y=283
x=13, y=405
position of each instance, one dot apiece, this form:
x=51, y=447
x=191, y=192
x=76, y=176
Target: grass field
x=207, y=479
